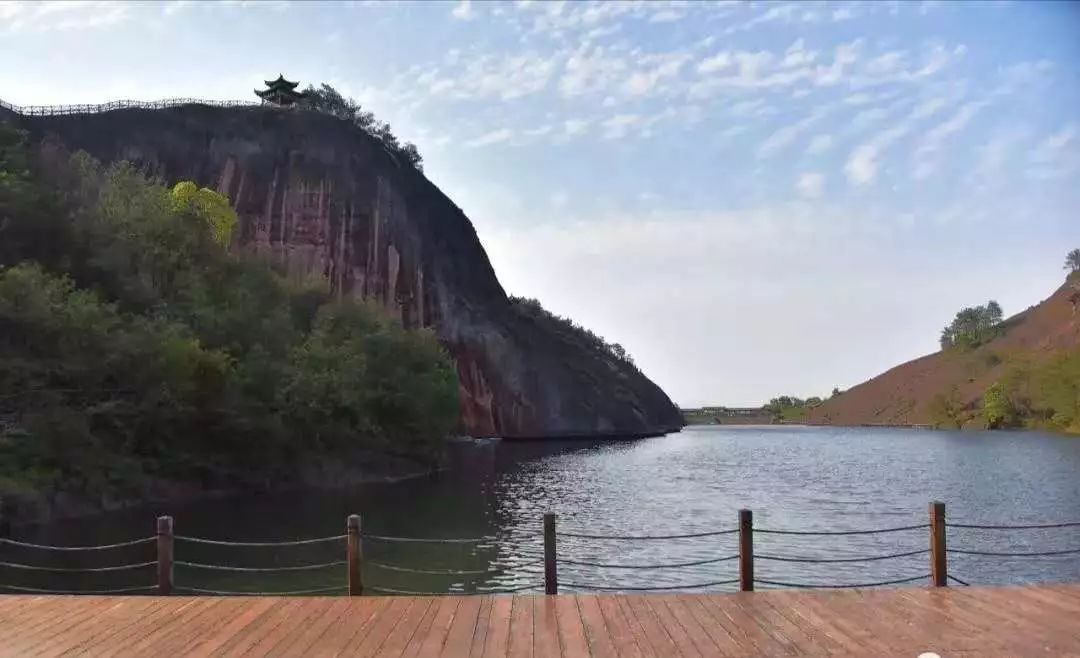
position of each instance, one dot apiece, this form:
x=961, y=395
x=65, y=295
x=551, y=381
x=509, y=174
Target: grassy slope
x=903, y=394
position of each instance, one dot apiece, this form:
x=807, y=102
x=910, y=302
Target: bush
x=137, y=347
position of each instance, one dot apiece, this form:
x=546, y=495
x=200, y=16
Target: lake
x=793, y=478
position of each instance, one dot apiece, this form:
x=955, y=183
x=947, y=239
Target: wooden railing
x=58, y=110
x=354, y=561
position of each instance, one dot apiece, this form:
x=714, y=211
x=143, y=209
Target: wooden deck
x=1008, y=621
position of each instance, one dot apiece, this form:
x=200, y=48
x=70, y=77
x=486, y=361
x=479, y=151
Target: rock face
x=322, y=199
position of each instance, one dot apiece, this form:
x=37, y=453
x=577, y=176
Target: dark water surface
x=791, y=477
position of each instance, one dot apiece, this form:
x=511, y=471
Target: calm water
x=791, y=477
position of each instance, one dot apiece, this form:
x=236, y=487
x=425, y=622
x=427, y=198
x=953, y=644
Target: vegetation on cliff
x=1033, y=390
x=571, y=330
x=328, y=100
x=972, y=327
x=136, y=349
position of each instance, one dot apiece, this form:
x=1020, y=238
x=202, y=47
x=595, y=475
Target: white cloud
x=620, y=125
x=862, y=164
x=653, y=70
x=819, y=144
x=810, y=185
x=932, y=141
x=61, y=15
x=717, y=62
x=463, y=11
x=590, y=71
x=785, y=135
x=493, y=137
x=1056, y=156
x=1054, y=145
x=572, y=127
x=886, y=63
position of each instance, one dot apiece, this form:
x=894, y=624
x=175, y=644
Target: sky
x=753, y=198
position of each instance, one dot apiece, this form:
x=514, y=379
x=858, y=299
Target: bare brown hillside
x=902, y=395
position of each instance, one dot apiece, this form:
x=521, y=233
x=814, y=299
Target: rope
x=676, y=565
x=647, y=537
x=511, y=590
x=1071, y=524
x=841, y=532
x=100, y=547
x=423, y=540
x=958, y=551
x=777, y=558
x=628, y=588
x=431, y=572
x=219, y=567
x=123, y=567
x=120, y=590
x=294, y=592
x=299, y=542
x=402, y=592
x=781, y=583
x=952, y=577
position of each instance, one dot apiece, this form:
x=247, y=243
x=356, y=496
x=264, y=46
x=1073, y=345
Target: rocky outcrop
x=322, y=199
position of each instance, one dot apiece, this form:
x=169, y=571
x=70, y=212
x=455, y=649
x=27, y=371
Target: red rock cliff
x=322, y=199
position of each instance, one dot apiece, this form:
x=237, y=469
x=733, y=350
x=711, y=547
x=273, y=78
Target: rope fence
x=229, y=578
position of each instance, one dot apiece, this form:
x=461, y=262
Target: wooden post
x=354, y=555
x=746, y=550
x=165, y=555
x=939, y=574
x=551, y=572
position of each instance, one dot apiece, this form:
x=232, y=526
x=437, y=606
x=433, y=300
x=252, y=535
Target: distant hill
x=1035, y=357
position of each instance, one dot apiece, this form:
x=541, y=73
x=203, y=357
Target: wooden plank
x=440, y=626
x=570, y=627
x=300, y=642
x=402, y=632
x=950, y=621
x=521, y=627
x=624, y=632
x=656, y=636
x=545, y=627
x=497, y=640
x=675, y=630
x=483, y=620
x=423, y=628
x=171, y=621
x=597, y=635
x=366, y=641
x=705, y=644
x=459, y=638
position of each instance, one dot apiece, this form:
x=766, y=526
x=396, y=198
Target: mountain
x=323, y=199
x=947, y=387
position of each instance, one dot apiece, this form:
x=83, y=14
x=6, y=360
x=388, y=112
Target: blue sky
x=754, y=198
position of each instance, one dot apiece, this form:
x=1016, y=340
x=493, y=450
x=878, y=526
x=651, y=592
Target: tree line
x=136, y=347
x=328, y=100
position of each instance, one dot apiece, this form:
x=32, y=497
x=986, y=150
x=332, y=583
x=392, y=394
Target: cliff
x=905, y=394
x=322, y=199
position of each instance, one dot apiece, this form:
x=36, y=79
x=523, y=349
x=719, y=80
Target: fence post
x=354, y=555
x=551, y=572
x=746, y=550
x=165, y=555
x=939, y=574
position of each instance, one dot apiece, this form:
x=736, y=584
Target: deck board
x=954, y=621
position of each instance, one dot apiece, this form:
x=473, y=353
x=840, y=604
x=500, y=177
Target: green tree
x=1072, y=261
x=207, y=205
x=972, y=327
x=998, y=410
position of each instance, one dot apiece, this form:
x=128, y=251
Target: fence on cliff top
x=59, y=110
x=358, y=571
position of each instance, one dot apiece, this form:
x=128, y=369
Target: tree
x=328, y=100
x=998, y=410
x=1072, y=261
x=207, y=205
x=972, y=326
